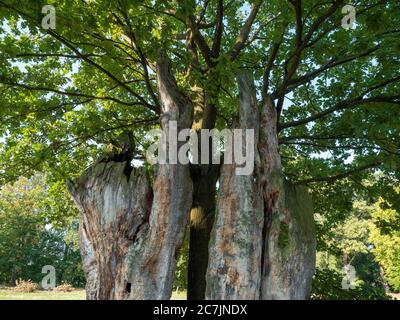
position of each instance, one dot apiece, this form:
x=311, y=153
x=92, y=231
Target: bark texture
x=114, y=211
x=263, y=241
x=291, y=245
x=234, y=270
x=155, y=222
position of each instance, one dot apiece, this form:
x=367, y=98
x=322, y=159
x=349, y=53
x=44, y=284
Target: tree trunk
x=201, y=222
x=263, y=240
x=130, y=239
x=114, y=213
x=291, y=248
x=234, y=270
x=204, y=179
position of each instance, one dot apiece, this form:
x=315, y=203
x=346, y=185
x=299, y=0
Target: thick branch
x=219, y=28
x=200, y=41
x=245, y=32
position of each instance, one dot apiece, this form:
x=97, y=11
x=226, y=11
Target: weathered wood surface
x=234, y=270
x=114, y=211
x=263, y=240
x=291, y=246
x=130, y=236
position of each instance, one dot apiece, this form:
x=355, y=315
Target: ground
x=395, y=296
x=79, y=294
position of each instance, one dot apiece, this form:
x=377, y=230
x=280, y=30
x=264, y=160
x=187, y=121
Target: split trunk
x=262, y=244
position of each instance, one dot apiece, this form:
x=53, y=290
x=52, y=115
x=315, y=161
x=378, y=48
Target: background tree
x=385, y=236
x=32, y=235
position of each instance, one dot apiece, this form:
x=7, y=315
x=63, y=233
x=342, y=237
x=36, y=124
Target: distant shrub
x=65, y=287
x=327, y=286
x=26, y=286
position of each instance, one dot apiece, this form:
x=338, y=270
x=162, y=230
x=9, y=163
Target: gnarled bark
x=234, y=270
x=134, y=257
x=263, y=241
x=114, y=211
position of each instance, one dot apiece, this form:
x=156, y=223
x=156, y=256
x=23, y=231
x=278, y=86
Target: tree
x=32, y=237
x=19, y=229
x=347, y=243
x=385, y=236
x=306, y=86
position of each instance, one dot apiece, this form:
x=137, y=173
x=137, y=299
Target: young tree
x=306, y=86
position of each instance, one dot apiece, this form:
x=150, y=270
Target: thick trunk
x=201, y=221
x=291, y=245
x=289, y=236
x=234, y=270
x=114, y=213
x=130, y=236
x=203, y=208
x=263, y=240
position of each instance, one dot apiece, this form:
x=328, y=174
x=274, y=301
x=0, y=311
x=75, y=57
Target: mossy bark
x=263, y=240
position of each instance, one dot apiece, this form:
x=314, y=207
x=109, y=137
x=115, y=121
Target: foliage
x=385, y=236
x=327, y=286
x=28, y=241
x=68, y=92
x=181, y=278
x=358, y=240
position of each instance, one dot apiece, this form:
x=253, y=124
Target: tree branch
x=339, y=176
x=219, y=28
x=69, y=93
x=245, y=32
x=341, y=106
x=294, y=83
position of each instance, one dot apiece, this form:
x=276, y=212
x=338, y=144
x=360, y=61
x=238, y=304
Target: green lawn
x=9, y=294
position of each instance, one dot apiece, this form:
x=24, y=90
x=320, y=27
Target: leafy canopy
x=65, y=93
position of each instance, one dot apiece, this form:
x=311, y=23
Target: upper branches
x=211, y=54
x=75, y=51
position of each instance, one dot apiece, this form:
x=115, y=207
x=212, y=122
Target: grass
x=181, y=295
x=79, y=294
x=8, y=294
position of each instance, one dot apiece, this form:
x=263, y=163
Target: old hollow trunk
x=114, y=214
x=234, y=270
x=204, y=178
x=263, y=241
x=131, y=233
x=201, y=221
